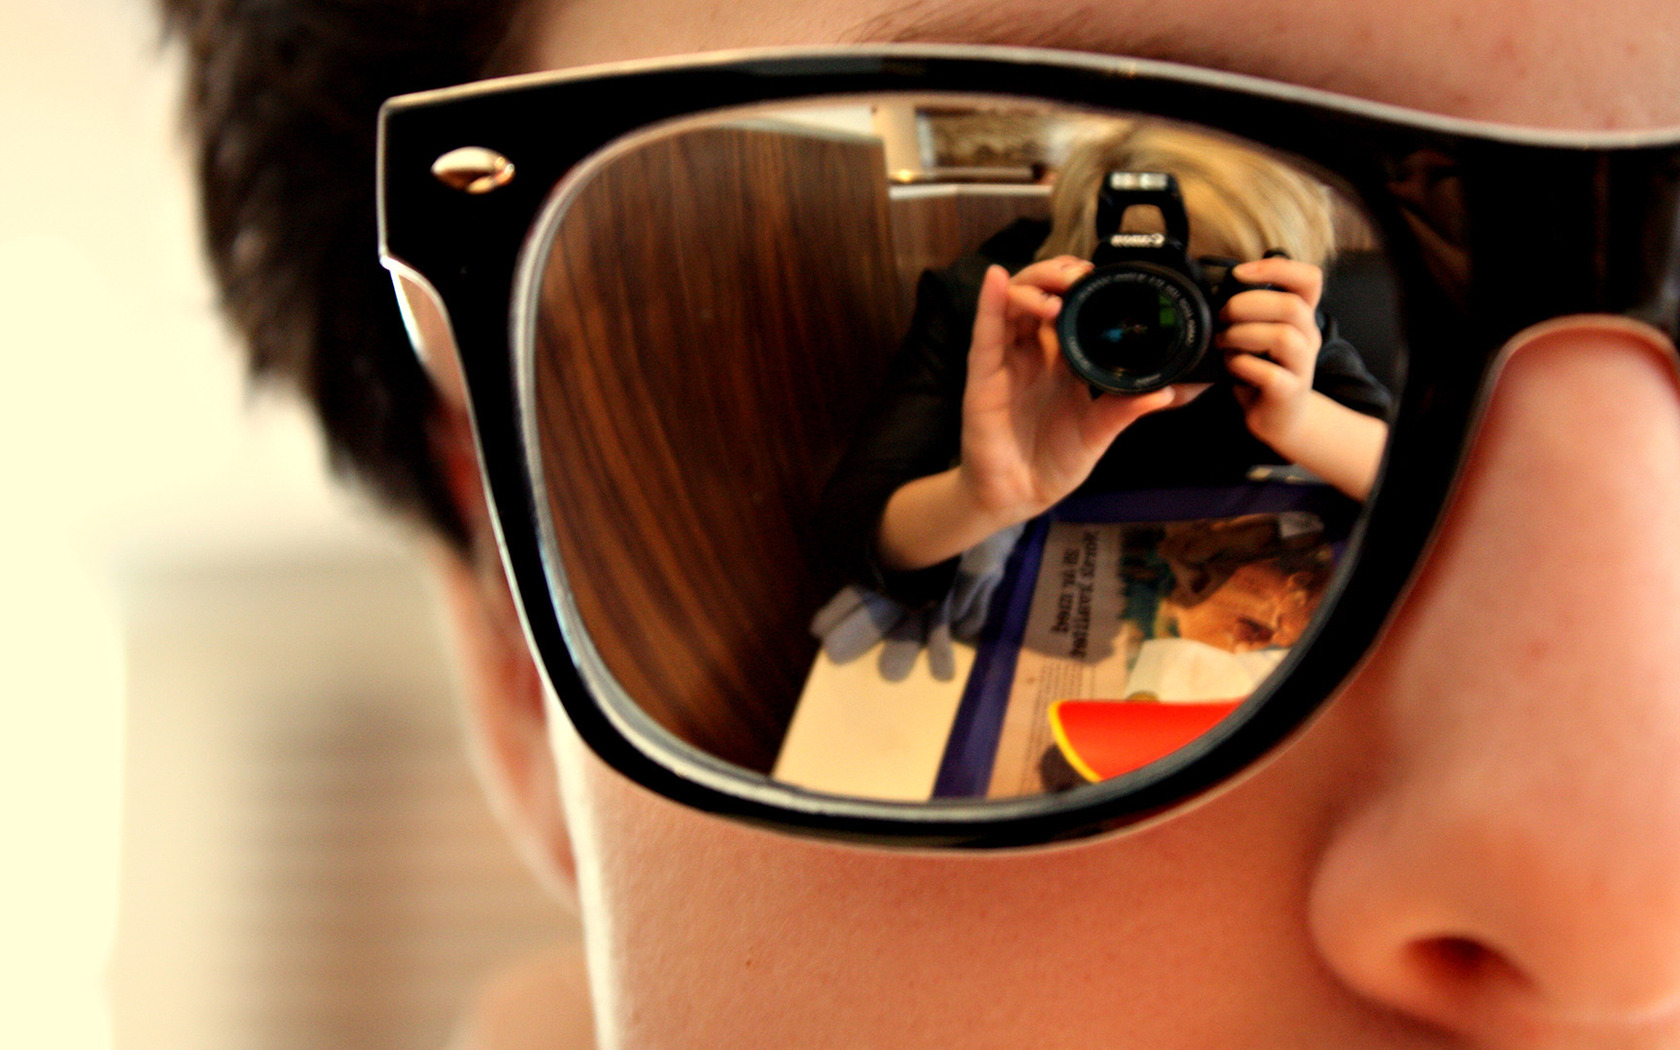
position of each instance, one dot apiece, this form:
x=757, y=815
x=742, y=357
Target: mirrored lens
x=833, y=497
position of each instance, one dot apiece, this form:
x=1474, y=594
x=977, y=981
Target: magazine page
x=1192, y=612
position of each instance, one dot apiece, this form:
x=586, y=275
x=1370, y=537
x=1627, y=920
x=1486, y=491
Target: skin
x=1476, y=845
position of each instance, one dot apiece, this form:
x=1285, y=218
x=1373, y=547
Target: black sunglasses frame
x=1540, y=225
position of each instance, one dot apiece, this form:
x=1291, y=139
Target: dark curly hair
x=282, y=97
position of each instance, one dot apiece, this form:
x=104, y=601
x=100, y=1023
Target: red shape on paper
x=1104, y=738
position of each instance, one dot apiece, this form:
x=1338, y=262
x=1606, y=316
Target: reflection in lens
x=755, y=341
x=1130, y=328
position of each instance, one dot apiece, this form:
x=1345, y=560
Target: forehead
x=1555, y=63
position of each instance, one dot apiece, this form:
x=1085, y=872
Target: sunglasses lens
x=750, y=331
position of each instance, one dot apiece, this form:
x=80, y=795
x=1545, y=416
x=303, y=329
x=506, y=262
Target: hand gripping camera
x=1144, y=318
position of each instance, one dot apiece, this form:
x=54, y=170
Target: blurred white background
x=233, y=807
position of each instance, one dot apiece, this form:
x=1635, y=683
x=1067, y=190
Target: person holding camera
x=1032, y=433
x=987, y=423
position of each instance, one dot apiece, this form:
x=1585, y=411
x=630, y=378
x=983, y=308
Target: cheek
x=1191, y=932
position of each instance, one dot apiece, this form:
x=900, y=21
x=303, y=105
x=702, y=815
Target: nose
x=1508, y=870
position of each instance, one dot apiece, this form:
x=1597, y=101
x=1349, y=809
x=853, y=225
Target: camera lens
x=1127, y=327
x=1132, y=328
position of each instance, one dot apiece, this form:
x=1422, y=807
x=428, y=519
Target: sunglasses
x=714, y=314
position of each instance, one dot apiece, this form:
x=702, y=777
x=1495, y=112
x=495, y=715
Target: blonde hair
x=1241, y=202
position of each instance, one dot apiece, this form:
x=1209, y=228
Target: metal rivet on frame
x=473, y=169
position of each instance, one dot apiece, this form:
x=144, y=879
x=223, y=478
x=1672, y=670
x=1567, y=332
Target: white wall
x=141, y=486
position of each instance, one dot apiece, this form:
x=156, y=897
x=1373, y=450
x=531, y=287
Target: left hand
x=1271, y=343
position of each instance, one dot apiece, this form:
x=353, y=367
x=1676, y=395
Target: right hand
x=1031, y=431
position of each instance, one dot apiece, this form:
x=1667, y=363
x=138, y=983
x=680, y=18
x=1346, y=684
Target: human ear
x=501, y=690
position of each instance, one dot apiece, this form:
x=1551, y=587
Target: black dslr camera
x=1144, y=318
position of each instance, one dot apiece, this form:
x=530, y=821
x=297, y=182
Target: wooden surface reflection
x=933, y=225
x=717, y=312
